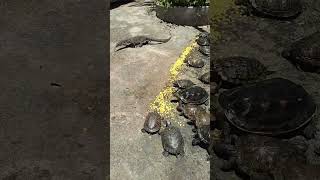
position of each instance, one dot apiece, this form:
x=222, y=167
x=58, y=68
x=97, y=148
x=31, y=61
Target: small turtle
x=205, y=78
x=192, y=95
x=172, y=141
x=202, y=136
x=284, y=9
x=195, y=62
x=203, y=39
x=205, y=50
x=271, y=107
x=260, y=157
x=305, y=53
x=183, y=83
x=152, y=123
x=238, y=70
x=188, y=110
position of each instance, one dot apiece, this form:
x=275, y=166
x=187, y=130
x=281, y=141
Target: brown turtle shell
x=270, y=107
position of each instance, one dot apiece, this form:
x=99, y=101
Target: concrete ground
x=136, y=77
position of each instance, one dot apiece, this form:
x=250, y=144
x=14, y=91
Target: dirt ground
x=137, y=76
x=53, y=90
x=264, y=39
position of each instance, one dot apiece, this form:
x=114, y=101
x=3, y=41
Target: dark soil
x=264, y=39
x=53, y=90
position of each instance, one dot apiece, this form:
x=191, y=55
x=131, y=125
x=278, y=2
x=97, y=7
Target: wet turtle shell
x=193, y=95
x=152, y=123
x=172, y=141
x=183, y=83
x=205, y=50
x=239, y=70
x=270, y=107
x=305, y=53
x=203, y=39
x=283, y=9
x=205, y=78
x=258, y=157
x=196, y=62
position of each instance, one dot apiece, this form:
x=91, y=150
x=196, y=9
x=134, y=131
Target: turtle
x=205, y=50
x=195, y=62
x=272, y=107
x=305, y=53
x=202, y=136
x=192, y=95
x=284, y=9
x=172, y=141
x=234, y=71
x=183, y=83
x=205, y=78
x=260, y=157
x=152, y=123
x=203, y=39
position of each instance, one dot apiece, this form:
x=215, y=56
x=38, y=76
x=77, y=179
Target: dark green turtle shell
x=270, y=107
x=193, y=95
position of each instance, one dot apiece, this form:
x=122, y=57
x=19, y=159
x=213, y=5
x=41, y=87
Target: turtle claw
x=143, y=130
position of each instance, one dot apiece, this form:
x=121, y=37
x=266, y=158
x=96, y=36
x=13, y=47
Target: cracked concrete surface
x=137, y=75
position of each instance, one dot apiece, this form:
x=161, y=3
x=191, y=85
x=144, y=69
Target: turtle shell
x=183, y=83
x=203, y=39
x=172, y=140
x=240, y=70
x=305, y=52
x=152, y=123
x=276, y=8
x=270, y=107
x=193, y=95
x=205, y=78
x=196, y=62
x=205, y=50
x=261, y=154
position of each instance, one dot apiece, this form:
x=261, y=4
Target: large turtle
x=237, y=70
x=271, y=107
x=152, y=123
x=264, y=158
x=172, y=141
x=283, y=9
x=305, y=53
x=192, y=95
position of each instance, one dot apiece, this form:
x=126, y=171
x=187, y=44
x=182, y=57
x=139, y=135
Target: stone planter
x=186, y=16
